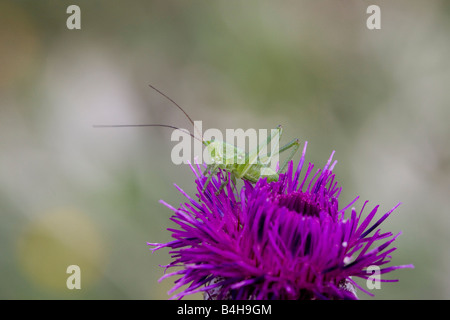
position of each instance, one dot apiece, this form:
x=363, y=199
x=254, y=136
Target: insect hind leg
x=223, y=184
x=255, y=154
x=209, y=173
x=228, y=179
x=294, y=144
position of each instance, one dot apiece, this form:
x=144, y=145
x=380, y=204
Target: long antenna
x=178, y=106
x=144, y=125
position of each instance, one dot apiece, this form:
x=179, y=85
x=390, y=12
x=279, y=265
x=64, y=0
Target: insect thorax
x=225, y=153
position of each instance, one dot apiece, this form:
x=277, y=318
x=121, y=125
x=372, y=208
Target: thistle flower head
x=287, y=239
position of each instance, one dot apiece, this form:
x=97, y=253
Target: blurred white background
x=74, y=194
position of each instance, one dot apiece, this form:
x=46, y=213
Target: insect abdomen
x=258, y=171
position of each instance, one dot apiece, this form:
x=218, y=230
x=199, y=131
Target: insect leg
x=227, y=180
x=210, y=174
x=233, y=179
x=208, y=168
x=255, y=154
x=294, y=144
x=224, y=183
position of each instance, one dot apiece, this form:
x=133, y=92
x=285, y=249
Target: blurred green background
x=74, y=194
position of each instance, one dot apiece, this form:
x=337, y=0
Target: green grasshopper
x=251, y=167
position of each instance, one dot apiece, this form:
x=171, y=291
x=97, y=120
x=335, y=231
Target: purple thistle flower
x=286, y=239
